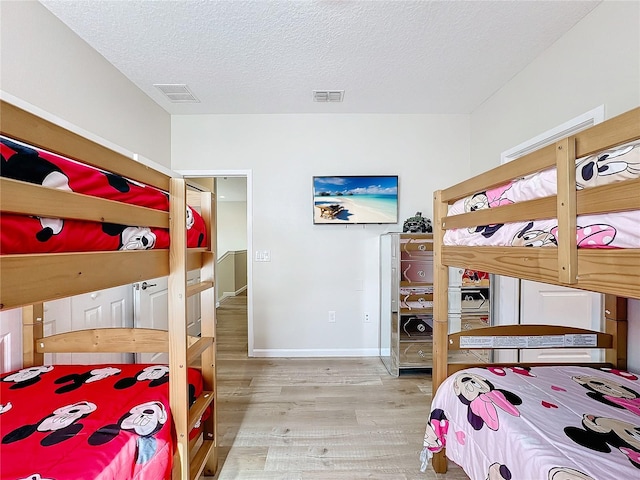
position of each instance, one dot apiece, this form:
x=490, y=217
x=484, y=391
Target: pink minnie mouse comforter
x=24, y=234
x=92, y=422
x=543, y=423
x=612, y=230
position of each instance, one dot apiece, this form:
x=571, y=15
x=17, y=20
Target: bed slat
x=615, y=197
x=29, y=199
x=112, y=340
x=531, y=163
x=22, y=281
x=619, y=129
x=535, y=209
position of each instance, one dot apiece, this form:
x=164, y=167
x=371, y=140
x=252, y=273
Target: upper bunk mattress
x=547, y=423
x=611, y=230
x=28, y=234
x=75, y=422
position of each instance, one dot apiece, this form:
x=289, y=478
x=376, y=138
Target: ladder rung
x=197, y=348
x=198, y=408
x=198, y=287
x=192, y=444
x=196, y=465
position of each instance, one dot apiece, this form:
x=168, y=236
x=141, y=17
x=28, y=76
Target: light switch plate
x=263, y=255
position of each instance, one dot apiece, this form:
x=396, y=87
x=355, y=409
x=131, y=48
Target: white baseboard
x=315, y=352
x=231, y=294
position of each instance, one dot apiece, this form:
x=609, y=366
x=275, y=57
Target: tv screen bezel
x=338, y=221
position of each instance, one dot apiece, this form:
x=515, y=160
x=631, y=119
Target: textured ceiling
x=237, y=56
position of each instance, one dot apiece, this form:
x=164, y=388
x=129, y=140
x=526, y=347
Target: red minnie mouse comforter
x=24, y=234
x=73, y=422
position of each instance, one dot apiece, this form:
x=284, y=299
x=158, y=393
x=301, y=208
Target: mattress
x=74, y=422
x=612, y=230
x=544, y=423
x=29, y=234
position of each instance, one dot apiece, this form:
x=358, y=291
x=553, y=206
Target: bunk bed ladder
x=199, y=455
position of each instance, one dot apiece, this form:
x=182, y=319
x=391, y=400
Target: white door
x=151, y=311
x=105, y=308
x=552, y=305
x=10, y=340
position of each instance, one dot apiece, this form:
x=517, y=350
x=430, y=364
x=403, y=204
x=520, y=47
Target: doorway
x=234, y=213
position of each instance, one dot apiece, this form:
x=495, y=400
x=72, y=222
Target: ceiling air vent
x=328, y=95
x=177, y=92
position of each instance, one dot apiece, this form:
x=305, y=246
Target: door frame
x=248, y=174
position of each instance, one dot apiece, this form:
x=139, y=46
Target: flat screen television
x=355, y=199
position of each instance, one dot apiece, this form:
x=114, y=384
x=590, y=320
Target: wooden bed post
x=440, y=312
x=566, y=206
x=32, y=330
x=615, y=317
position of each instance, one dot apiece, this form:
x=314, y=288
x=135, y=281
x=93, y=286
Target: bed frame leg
x=439, y=462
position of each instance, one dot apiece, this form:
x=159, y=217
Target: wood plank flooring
x=315, y=419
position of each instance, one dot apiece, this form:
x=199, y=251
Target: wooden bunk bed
x=27, y=280
x=613, y=272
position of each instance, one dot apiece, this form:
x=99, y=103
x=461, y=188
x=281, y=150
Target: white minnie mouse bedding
x=612, y=230
x=542, y=423
x=75, y=422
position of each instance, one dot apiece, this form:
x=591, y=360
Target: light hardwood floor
x=315, y=419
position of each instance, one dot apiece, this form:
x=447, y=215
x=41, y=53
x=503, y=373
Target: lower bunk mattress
x=75, y=422
x=543, y=423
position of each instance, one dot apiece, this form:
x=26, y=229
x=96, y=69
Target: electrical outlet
x=367, y=318
x=332, y=316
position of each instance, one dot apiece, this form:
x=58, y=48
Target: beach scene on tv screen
x=355, y=199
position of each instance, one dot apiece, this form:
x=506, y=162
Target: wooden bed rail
x=620, y=129
x=108, y=340
x=529, y=336
x=613, y=272
x=31, y=129
x=22, y=282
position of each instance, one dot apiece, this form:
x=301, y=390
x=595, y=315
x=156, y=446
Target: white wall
x=231, y=222
x=45, y=64
x=315, y=269
x=596, y=63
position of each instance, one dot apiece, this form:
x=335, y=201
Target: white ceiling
x=267, y=56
